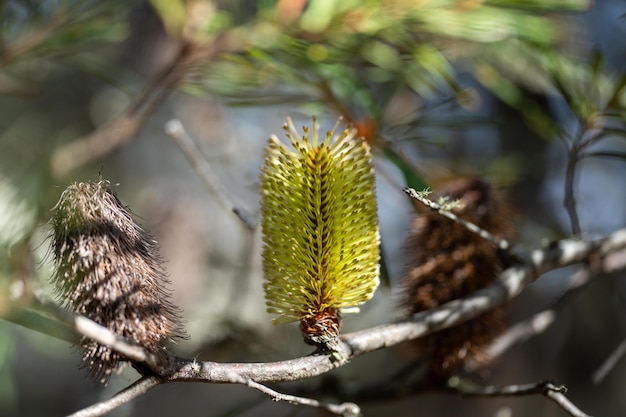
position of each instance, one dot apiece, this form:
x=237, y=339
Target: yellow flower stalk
x=320, y=230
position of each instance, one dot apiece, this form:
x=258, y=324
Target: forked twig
x=546, y=388
x=569, y=199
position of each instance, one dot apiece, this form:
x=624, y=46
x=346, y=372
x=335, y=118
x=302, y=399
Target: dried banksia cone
x=450, y=262
x=108, y=269
x=320, y=230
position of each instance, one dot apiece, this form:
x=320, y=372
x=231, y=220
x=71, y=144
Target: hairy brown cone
x=449, y=262
x=108, y=269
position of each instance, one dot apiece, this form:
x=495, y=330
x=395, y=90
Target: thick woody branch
x=541, y=321
x=512, y=281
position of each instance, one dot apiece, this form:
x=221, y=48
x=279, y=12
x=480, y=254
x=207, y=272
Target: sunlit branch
x=512, y=281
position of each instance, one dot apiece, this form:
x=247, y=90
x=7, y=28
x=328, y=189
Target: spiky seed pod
x=108, y=269
x=320, y=230
x=450, y=262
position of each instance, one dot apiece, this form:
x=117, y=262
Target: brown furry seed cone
x=108, y=270
x=450, y=262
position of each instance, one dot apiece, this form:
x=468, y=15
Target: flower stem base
x=322, y=330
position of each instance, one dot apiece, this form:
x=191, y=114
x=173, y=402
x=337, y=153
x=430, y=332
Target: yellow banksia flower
x=320, y=228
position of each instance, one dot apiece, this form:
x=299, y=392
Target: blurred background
x=528, y=94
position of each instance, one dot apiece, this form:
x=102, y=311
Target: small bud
x=450, y=262
x=108, y=269
x=320, y=230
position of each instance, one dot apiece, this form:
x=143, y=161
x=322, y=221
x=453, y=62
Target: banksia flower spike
x=108, y=269
x=449, y=262
x=320, y=230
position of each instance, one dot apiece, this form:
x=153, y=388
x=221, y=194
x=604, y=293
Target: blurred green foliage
x=356, y=59
x=352, y=58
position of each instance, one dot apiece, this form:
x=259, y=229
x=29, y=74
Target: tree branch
x=546, y=388
x=539, y=322
x=86, y=327
x=569, y=201
x=125, y=127
x=512, y=281
x=500, y=243
x=565, y=403
x=609, y=363
x=518, y=333
x=128, y=394
x=588, y=135
x=177, y=131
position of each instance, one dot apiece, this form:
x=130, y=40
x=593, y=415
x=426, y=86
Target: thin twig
x=609, y=363
x=554, y=392
x=516, y=334
x=468, y=388
x=539, y=322
x=201, y=165
x=128, y=394
x=604, y=154
x=203, y=169
x=565, y=404
x=588, y=135
x=89, y=328
x=500, y=243
x=569, y=200
x=345, y=409
x=125, y=127
x=104, y=336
